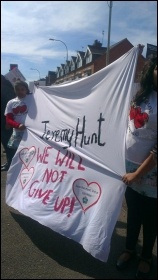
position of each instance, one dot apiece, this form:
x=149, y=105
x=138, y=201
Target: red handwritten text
x=39, y=193
x=42, y=157
x=53, y=175
x=69, y=160
x=65, y=202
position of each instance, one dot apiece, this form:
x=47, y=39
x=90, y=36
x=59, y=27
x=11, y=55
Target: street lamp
x=64, y=45
x=108, y=45
x=37, y=71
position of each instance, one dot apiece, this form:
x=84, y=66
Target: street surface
x=32, y=251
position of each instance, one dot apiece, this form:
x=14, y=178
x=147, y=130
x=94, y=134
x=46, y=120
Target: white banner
x=67, y=171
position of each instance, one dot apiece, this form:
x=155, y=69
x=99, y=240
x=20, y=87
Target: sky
x=27, y=26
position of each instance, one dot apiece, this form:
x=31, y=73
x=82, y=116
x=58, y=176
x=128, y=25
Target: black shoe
x=5, y=167
x=144, y=275
x=122, y=264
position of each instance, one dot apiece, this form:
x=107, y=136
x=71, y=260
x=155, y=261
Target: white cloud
x=26, y=27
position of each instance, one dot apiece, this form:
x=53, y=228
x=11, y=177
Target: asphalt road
x=32, y=251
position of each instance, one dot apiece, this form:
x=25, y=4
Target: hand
x=141, y=47
x=21, y=127
x=129, y=178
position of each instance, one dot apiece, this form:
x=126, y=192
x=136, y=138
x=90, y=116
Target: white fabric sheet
x=67, y=171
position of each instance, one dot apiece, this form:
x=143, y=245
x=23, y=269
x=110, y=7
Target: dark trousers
x=5, y=136
x=142, y=210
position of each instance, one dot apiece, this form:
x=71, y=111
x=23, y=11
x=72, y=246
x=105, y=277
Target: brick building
x=50, y=78
x=94, y=59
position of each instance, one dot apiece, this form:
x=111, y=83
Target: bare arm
x=148, y=164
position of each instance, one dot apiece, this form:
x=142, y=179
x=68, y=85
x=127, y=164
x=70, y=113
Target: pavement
x=32, y=251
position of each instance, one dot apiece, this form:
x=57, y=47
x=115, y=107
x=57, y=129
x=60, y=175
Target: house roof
x=116, y=44
x=67, y=63
x=58, y=68
x=96, y=50
x=73, y=58
x=81, y=54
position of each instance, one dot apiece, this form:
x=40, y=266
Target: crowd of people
x=141, y=155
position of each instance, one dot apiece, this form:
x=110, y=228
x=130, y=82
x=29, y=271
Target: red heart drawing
x=86, y=193
x=139, y=118
x=20, y=109
x=25, y=176
x=23, y=108
x=16, y=110
x=26, y=155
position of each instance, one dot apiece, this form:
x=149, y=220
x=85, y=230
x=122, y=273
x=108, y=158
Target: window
x=79, y=63
x=66, y=69
x=61, y=73
x=88, y=58
x=72, y=67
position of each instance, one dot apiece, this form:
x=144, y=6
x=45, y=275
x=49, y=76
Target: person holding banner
x=15, y=112
x=7, y=93
x=141, y=176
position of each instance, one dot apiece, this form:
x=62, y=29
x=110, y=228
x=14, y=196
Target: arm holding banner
x=147, y=165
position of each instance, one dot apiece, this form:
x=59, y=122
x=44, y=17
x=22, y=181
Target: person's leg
x=134, y=218
x=5, y=136
x=133, y=200
x=149, y=222
x=10, y=154
x=149, y=226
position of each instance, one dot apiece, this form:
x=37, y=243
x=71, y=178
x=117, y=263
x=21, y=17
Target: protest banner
x=67, y=171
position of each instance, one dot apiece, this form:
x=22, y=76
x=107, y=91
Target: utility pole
x=109, y=29
x=102, y=37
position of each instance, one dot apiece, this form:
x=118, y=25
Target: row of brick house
x=89, y=62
